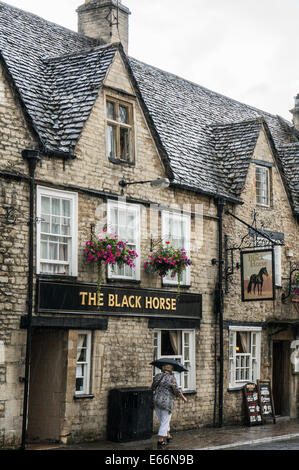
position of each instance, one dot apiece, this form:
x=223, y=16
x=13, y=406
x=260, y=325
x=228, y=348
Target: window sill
x=118, y=161
x=56, y=276
x=235, y=389
x=190, y=392
x=83, y=395
x=182, y=286
x=120, y=280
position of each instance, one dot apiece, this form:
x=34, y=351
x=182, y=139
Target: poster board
x=266, y=400
x=252, y=403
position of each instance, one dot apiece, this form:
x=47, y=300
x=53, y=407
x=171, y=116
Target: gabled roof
x=206, y=139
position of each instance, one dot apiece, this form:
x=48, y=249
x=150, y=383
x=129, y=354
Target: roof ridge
x=81, y=52
x=197, y=85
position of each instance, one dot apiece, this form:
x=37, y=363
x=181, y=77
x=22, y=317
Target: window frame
x=87, y=362
x=232, y=364
x=168, y=281
x=73, y=252
x=135, y=208
x=117, y=125
x=268, y=186
x=191, y=375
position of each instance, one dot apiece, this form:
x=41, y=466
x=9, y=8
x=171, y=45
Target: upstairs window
x=124, y=220
x=176, y=229
x=56, y=232
x=119, y=131
x=262, y=186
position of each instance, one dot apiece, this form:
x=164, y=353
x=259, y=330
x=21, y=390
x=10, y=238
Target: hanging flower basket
x=109, y=250
x=295, y=287
x=168, y=260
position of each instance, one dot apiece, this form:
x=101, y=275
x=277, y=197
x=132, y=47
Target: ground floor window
x=244, y=355
x=178, y=345
x=83, y=363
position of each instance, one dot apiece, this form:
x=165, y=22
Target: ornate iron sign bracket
x=257, y=238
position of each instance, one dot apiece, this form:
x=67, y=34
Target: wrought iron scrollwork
x=294, y=268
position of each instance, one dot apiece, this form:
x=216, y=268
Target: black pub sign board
x=252, y=403
x=64, y=297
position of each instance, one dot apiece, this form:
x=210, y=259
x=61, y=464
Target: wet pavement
x=224, y=438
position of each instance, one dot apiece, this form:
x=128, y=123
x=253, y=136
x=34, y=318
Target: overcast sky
x=244, y=49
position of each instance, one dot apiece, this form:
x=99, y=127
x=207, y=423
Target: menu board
x=252, y=403
x=266, y=399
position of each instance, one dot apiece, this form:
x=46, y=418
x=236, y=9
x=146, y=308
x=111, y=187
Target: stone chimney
x=105, y=19
x=295, y=112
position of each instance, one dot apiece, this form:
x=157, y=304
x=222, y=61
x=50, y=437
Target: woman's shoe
x=161, y=444
x=168, y=439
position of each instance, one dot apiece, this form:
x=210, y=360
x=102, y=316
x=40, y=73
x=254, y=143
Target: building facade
x=80, y=119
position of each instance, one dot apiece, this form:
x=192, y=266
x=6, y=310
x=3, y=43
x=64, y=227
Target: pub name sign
x=68, y=297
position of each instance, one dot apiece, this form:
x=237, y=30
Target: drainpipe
x=32, y=156
x=220, y=208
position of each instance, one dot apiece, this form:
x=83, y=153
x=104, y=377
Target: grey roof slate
x=205, y=138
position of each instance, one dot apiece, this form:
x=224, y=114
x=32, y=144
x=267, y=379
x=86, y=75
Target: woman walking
x=165, y=389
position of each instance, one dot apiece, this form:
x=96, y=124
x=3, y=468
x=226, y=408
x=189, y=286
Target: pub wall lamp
x=159, y=183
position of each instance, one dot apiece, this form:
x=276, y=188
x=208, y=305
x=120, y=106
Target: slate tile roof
x=207, y=139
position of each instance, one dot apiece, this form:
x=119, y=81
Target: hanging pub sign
x=257, y=275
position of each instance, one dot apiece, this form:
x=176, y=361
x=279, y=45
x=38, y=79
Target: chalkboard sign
x=252, y=403
x=266, y=399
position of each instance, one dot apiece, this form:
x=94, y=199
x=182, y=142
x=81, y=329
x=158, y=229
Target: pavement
x=205, y=438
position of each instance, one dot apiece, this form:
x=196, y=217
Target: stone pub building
x=79, y=121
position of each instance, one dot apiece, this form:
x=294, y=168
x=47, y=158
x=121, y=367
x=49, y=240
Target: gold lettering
x=124, y=302
x=111, y=300
x=83, y=294
x=116, y=301
x=92, y=299
x=168, y=304
x=137, y=301
x=162, y=303
x=148, y=302
x=156, y=303
x=131, y=301
x=173, y=304
x=101, y=300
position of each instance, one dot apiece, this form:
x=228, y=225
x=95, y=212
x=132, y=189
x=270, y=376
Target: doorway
x=47, y=386
x=281, y=377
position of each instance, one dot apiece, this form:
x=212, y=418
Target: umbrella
x=177, y=366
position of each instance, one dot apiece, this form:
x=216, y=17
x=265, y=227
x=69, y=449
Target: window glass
x=123, y=219
x=56, y=232
x=83, y=363
x=244, y=356
x=177, y=345
x=119, y=133
x=262, y=186
x=176, y=230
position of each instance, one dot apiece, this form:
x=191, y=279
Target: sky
x=244, y=49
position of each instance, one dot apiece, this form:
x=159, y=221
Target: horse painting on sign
x=257, y=281
x=257, y=271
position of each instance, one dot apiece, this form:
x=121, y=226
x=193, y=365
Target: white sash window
x=244, y=355
x=57, y=214
x=176, y=230
x=124, y=220
x=180, y=346
x=83, y=366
